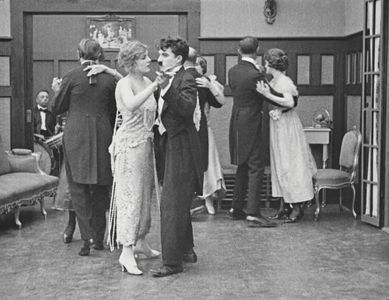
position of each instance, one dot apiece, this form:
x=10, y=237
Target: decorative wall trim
x=280, y=38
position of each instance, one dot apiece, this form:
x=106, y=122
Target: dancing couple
x=291, y=161
x=173, y=97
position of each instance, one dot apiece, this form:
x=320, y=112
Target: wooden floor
x=336, y=258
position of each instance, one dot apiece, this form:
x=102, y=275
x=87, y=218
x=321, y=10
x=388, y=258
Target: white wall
x=353, y=12
x=5, y=18
x=295, y=18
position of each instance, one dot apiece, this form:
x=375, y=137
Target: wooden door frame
x=385, y=111
x=21, y=46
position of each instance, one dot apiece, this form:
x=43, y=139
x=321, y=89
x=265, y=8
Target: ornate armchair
x=22, y=182
x=343, y=177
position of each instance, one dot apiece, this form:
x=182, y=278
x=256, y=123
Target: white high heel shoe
x=128, y=265
x=209, y=205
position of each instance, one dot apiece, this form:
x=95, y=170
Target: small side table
x=320, y=136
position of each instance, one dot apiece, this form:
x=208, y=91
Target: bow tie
x=166, y=74
x=43, y=109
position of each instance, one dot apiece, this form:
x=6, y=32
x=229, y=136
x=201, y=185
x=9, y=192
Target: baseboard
x=385, y=229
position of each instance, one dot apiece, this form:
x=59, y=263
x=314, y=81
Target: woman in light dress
x=213, y=186
x=291, y=161
x=133, y=160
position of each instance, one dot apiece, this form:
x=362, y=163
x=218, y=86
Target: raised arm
x=286, y=100
x=126, y=98
x=215, y=87
x=100, y=68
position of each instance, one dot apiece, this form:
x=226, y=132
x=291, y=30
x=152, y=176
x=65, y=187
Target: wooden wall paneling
x=220, y=68
x=43, y=73
x=327, y=69
x=21, y=10
x=56, y=67
x=292, y=69
x=5, y=121
x=5, y=52
x=347, y=69
x=28, y=79
x=183, y=28
x=5, y=71
x=339, y=119
x=210, y=64
x=5, y=46
x=309, y=104
x=304, y=69
x=17, y=79
x=66, y=66
x=316, y=69
x=231, y=60
x=5, y=91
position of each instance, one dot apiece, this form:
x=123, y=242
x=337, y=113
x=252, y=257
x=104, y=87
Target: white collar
x=190, y=67
x=41, y=107
x=250, y=60
x=88, y=61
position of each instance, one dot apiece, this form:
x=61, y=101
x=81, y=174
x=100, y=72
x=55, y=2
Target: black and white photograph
x=194, y=149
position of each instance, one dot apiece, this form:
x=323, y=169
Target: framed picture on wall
x=111, y=31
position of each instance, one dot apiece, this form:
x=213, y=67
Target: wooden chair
x=343, y=177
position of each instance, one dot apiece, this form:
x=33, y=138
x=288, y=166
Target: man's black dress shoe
x=235, y=214
x=190, y=256
x=85, y=250
x=68, y=234
x=260, y=221
x=99, y=245
x=166, y=271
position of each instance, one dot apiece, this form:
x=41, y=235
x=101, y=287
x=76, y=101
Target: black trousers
x=248, y=181
x=160, y=153
x=179, y=186
x=90, y=202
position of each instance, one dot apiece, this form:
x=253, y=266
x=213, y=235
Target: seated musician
x=44, y=119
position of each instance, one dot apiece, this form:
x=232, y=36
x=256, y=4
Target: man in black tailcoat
x=183, y=170
x=91, y=107
x=249, y=143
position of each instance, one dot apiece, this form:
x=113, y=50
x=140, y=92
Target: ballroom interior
x=339, y=59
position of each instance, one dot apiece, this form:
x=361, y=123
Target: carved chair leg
x=16, y=215
x=324, y=199
x=317, y=200
x=42, y=204
x=340, y=201
x=353, y=205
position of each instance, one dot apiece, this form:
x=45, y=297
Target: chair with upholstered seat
x=343, y=177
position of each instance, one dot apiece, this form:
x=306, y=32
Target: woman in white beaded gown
x=133, y=160
x=291, y=161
